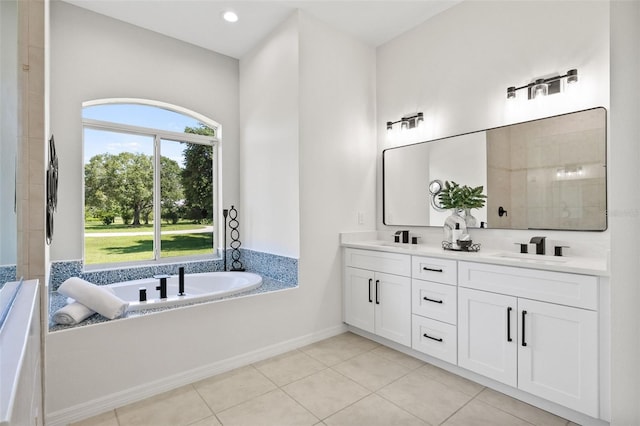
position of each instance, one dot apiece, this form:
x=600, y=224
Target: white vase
x=469, y=219
x=450, y=225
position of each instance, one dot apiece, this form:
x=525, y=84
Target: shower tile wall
x=546, y=191
x=30, y=184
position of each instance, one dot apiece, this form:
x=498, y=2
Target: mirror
x=8, y=137
x=542, y=174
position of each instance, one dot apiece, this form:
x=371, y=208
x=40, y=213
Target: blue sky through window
x=100, y=141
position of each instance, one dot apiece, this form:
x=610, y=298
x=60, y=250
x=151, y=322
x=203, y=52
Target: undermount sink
x=531, y=257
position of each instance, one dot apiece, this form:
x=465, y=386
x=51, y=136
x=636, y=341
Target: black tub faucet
x=540, y=244
x=181, y=281
x=162, y=288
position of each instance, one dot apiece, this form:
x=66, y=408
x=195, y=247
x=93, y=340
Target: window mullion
x=157, y=220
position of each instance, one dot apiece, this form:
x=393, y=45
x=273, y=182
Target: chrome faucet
x=540, y=244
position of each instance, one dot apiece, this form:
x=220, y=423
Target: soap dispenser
x=455, y=236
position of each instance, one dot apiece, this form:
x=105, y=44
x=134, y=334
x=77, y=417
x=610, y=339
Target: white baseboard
x=127, y=396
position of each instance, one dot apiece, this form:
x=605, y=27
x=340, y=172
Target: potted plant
x=462, y=198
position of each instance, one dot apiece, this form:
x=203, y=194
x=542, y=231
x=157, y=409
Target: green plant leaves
x=454, y=196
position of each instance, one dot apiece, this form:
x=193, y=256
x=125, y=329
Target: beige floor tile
x=572, y=424
x=104, y=419
x=235, y=387
x=373, y=411
x=274, y=408
x=325, y=393
x=450, y=379
x=209, y=421
x=371, y=371
x=477, y=413
x=520, y=409
x=289, y=367
x=177, y=407
x=425, y=397
x=393, y=355
x=339, y=348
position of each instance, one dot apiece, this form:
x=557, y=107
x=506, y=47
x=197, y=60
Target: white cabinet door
x=560, y=359
x=392, y=299
x=487, y=334
x=359, y=298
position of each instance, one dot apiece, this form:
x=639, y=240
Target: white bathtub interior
x=197, y=287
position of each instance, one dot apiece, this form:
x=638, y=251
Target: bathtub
x=197, y=287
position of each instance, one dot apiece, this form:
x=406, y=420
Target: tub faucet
x=540, y=244
x=181, y=281
x=162, y=288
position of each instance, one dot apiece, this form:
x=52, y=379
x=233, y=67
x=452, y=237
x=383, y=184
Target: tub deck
x=57, y=301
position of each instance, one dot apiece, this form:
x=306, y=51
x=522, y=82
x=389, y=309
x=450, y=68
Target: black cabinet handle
x=432, y=338
x=524, y=313
x=377, y=293
x=424, y=268
x=431, y=300
x=509, y=309
x=370, y=280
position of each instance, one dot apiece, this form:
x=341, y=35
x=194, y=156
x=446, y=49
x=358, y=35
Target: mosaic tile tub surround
x=8, y=273
x=278, y=272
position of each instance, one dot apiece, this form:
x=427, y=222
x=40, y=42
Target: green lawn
x=132, y=248
x=113, y=249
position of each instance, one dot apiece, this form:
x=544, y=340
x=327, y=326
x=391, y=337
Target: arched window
x=150, y=182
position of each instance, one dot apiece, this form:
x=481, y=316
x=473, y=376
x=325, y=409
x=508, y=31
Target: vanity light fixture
x=544, y=86
x=408, y=121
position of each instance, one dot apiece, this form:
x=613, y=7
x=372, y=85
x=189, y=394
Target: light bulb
x=539, y=89
x=230, y=16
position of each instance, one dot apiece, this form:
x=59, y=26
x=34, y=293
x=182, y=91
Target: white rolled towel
x=72, y=314
x=94, y=297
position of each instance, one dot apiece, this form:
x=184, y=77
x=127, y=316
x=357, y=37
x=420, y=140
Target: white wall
x=337, y=179
x=269, y=144
x=624, y=212
x=8, y=129
x=456, y=68
x=95, y=57
x=337, y=153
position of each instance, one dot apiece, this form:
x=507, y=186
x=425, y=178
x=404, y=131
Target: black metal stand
x=225, y=212
x=236, y=265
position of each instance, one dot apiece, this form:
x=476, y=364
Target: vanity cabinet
x=541, y=346
x=532, y=329
x=377, y=293
x=433, y=307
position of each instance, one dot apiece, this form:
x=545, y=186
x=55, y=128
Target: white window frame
x=158, y=135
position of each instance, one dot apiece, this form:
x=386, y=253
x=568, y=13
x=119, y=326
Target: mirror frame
x=606, y=201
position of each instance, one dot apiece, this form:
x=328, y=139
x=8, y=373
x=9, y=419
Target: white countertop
x=571, y=264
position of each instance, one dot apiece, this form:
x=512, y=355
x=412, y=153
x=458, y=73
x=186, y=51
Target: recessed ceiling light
x=230, y=16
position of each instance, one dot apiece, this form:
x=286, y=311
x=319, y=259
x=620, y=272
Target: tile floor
x=343, y=380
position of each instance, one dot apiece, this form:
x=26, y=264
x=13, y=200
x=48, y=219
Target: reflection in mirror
x=8, y=137
x=547, y=174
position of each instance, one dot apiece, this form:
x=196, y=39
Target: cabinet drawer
x=433, y=300
x=390, y=263
x=434, y=338
x=434, y=269
x=556, y=287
